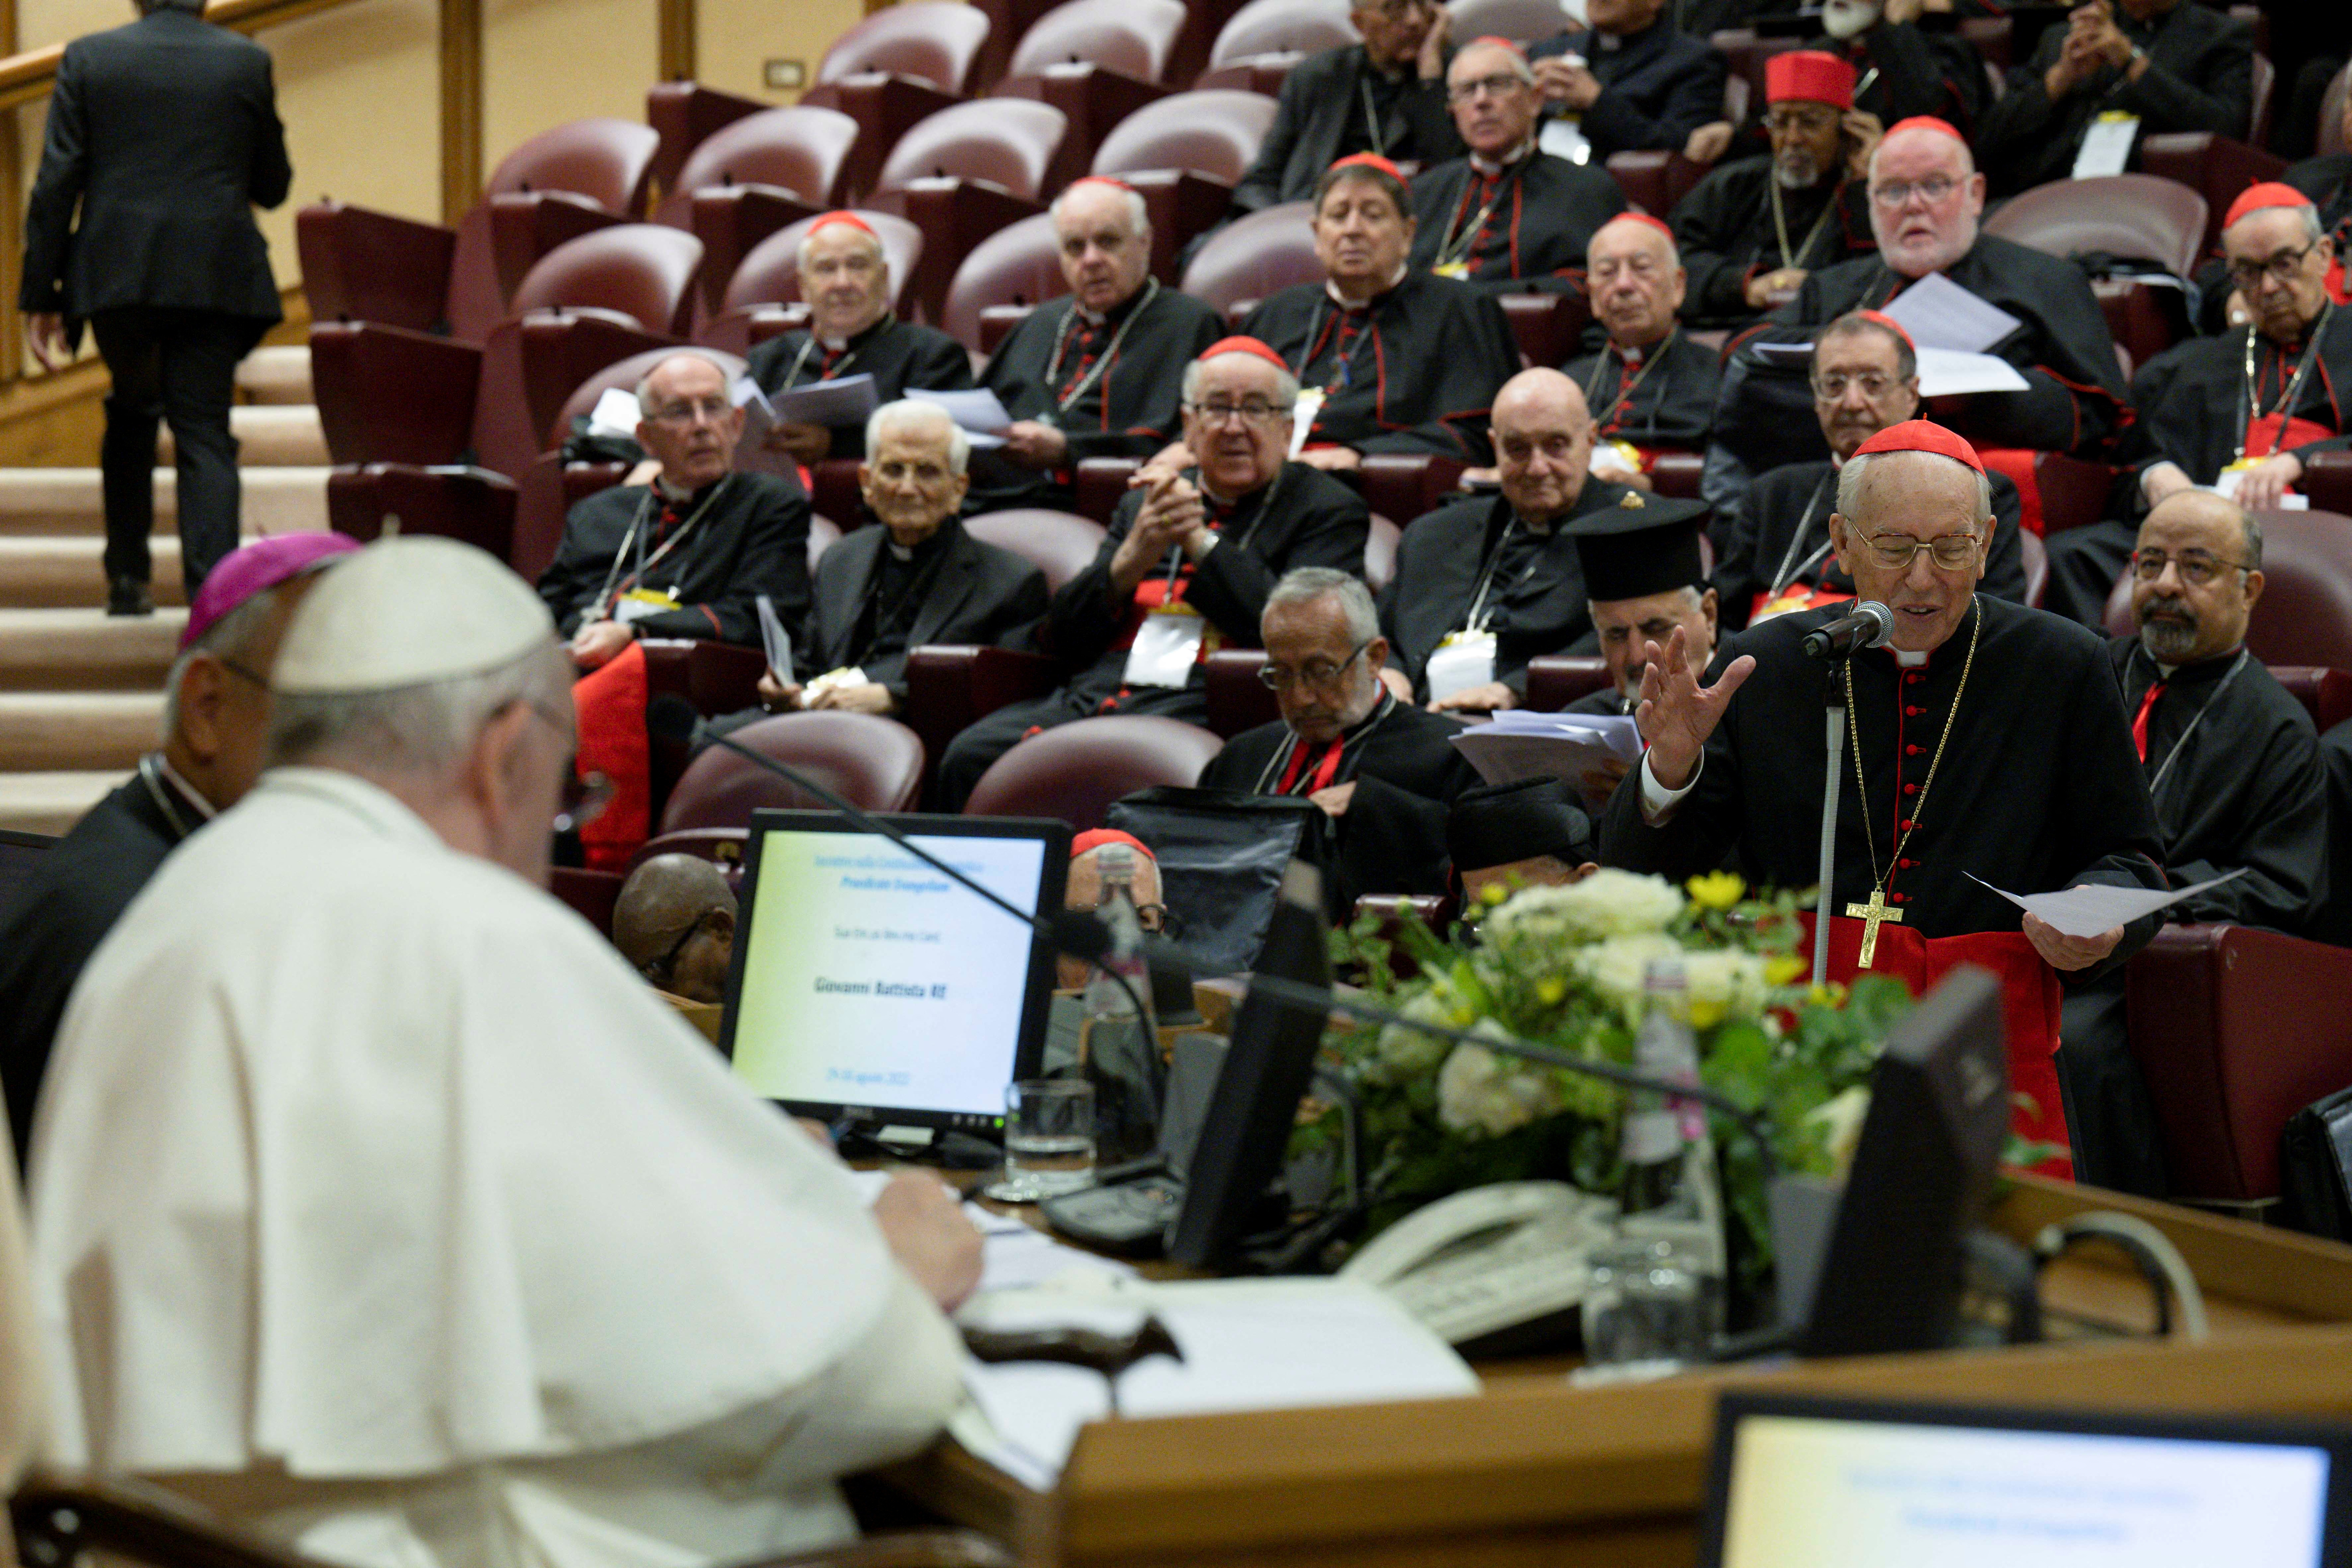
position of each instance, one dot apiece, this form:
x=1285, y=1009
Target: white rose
x=1840, y=1120
x=1480, y=1093
x=1404, y=1052
x=1619, y=965
x=1732, y=980
x=1609, y=902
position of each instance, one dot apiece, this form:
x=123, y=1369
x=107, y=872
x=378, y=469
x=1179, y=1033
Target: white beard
x=1797, y=169
x=1843, y=19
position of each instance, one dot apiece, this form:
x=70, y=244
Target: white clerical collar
x=1906, y=658
x=195, y=797
x=1609, y=43
x=1516, y=155
x=898, y=552
x=670, y=492
x=1347, y=304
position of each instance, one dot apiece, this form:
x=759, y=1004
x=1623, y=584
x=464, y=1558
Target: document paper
x=2094, y=910
x=983, y=418
x=1518, y=745
x=1940, y=314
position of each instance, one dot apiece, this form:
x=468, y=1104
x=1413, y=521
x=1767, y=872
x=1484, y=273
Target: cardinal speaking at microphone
x=1982, y=743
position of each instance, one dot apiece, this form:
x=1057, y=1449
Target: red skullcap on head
x=2269, y=193
x=1095, y=838
x=1370, y=161
x=1640, y=217
x=1881, y=318
x=1498, y=41
x=1810, y=76
x=1922, y=435
x=1240, y=345
x=1111, y=181
x=842, y=214
x=1927, y=122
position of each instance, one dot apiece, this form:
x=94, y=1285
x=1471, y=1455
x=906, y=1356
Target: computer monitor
x=866, y=986
x=1267, y=1069
x=1801, y=1482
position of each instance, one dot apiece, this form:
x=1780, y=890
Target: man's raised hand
x=1677, y=714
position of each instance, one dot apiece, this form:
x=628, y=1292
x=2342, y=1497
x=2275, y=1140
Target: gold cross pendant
x=1871, y=914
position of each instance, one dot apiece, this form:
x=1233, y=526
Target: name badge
x=1457, y=270
x=639, y=603
x=1615, y=458
x=1302, y=417
x=1167, y=645
x=1462, y=660
x=2107, y=145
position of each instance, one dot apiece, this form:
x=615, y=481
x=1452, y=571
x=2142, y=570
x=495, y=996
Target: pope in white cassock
x=378, y=1206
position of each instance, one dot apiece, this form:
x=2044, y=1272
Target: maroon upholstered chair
x=757, y=175
x=873, y=762
x=950, y=686
x=2327, y=480
x=359, y=264
x=1745, y=53
x=2216, y=167
x=685, y=114
x=1013, y=271
x=1283, y=27
x=1184, y=155
x=1098, y=61
x=1102, y=484
x=2326, y=694
x=1238, y=700
x=2304, y=615
x=722, y=847
x=1546, y=327
x=1678, y=474
x=2142, y=217
x=966, y=173
x=1058, y=543
x=1406, y=484
x=1260, y=74
x=1075, y=771
x=1521, y=21
x=2235, y=1030
x=2074, y=492
x=377, y=500
x=590, y=894
x=1557, y=679
x=896, y=68
x=713, y=677
x=1655, y=181
x=753, y=306
x=1252, y=257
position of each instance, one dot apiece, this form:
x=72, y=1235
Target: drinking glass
x=1649, y=1299
x=1049, y=1140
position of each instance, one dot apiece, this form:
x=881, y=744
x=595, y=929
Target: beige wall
x=734, y=37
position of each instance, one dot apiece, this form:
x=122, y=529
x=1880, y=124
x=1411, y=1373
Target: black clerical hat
x=1495, y=824
x=1644, y=546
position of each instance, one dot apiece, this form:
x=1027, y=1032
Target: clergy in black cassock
x=1989, y=741
x=1506, y=217
x=846, y=278
x=1644, y=85
x=1369, y=96
x=1186, y=565
x=1650, y=386
x=1093, y=373
x=1392, y=360
x=1386, y=773
x=710, y=551
x=1909, y=70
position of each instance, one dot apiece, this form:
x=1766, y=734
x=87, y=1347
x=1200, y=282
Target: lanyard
x=1288, y=757
x=1062, y=401
x=181, y=829
x=1372, y=128
x=1345, y=353
x=1786, y=577
x=604, y=600
x=1604, y=420
x=1448, y=251
x=849, y=354
x=1781, y=224
x=2156, y=781
x=1478, y=617
x=2250, y=393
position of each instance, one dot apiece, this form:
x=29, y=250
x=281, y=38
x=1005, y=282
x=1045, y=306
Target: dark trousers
x=2110, y=1120
x=2083, y=565
x=179, y=366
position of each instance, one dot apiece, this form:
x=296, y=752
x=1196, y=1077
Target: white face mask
x=1843, y=19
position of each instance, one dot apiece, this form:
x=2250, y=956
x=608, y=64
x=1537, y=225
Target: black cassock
x=1657, y=86
x=1407, y=775
x=714, y=552
x=1780, y=536
x=2074, y=395
x=1475, y=560
x=1414, y=370
x=1724, y=231
x=1522, y=227
x=2039, y=789
x=2335, y=921
x=898, y=354
x=2327, y=181
x=1110, y=385
x=1908, y=71
x=60, y=914
x=1304, y=518
x=1663, y=400
x=1336, y=102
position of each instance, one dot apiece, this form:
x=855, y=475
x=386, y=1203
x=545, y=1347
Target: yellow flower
x=1493, y=894
x=1552, y=990
x=1716, y=890
x=1780, y=971
x=1706, y=1014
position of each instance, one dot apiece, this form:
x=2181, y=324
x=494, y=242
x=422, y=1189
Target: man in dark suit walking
x=163, y=134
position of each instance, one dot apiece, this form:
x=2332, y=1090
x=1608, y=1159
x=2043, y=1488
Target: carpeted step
x=63, y=571
x=268, y=436
x=276, y=376
x=51, y=802
x=42, y=732
x=85, y=649
x=69, y=501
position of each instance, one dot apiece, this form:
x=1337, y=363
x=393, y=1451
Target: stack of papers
x=1953, y=329
x=1516, y=745
x=835, y=405
x=981, y=416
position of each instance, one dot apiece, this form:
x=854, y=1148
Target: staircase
x=81, y=693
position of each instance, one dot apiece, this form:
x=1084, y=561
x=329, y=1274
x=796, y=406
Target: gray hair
x=1138, y=217
x=1285, y=386
x=2311, y=227
x=1517, y=58
x=915, y=411
x=1311, y=585
x=2254, y=539
x=881, y=252
x=230, y=638
x=1855, y=322
x=413, y=731
x=646, y=381
x=1849, y=490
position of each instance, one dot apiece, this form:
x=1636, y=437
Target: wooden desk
x=1535, y=1472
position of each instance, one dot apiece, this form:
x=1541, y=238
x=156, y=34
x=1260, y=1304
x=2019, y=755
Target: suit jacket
x=1657, y=86
x=166, y=134
x=981, y=595
x=1309, y=118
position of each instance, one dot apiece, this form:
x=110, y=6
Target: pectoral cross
x=1871, y=915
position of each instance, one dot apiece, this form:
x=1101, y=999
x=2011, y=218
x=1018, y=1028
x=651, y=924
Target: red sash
x=611, y=706
x=2030, y=1002
x=2262, y=436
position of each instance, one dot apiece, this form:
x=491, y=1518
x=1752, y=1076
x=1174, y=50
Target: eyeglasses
x=1314, y=672
x=1933, y=189
x=1253, y=411
x=658, y=970
x=713, y=409
x=1829, y=388
x=2248, y=275
x=1897, y=551
x=1499, y=85
x=2196, y=568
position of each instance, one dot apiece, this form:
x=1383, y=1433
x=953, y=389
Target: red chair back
x=722, y=847
x=934, y=41
x=1521, y=21
x=644, y=271
x=873, y=763
x=770, y=275
x=1252, y=257
x=804, y=149
x=2326, y=694
x=1018, y=264
x=625, y=374
x=1557, y=679
x=2141, y=216
x=1075, y=771
x=1009, y=143
x=1214, y=132
x=608, y=161
x=1060, y=545
x=1131, y=37
x=1283, y=27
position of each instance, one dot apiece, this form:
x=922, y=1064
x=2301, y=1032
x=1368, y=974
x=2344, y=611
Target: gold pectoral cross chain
x=1871, y=915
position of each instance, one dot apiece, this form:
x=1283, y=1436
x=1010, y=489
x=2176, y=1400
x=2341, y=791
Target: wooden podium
x=1535, y=1472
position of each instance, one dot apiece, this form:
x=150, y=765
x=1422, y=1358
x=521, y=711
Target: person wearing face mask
x=1385, y=95
x=2171, y=65
x=1387, y=359
x=2241, y=409
x=1751, y=230
x=845, y=276
x=1651, y=389
x=1191, y=554
x=1630, y=80
x=1773, y=553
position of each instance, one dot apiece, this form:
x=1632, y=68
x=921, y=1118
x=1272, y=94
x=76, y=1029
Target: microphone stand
x=1833, y=712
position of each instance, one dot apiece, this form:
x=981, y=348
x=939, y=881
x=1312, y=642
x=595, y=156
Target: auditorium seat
x=2134, y=217
x=589, y=893
x=1098, y=61
x=1006, y=276
x=2235, y=1030
x=359, y=264
x=2304, y=615
x=1203, y=20
x=1521, y=21
x=966, y=173
x=952, y=686
x=753, y=308
x=1379, y=553
x=896, y=68
x=873, y=763
x=1184, y=155
x=2327, y=480
x=2326, y=694
x=376, y=500
x=2071, y=492
x=1008, y=22
x=1252, y=257
x=1060, y=545
x=1102, y=483
x=1255, y=49
x=1407, y=484
x=761, y=174
x=685, y=114
x=722, y=847
x=2216, y=167
x=1075, y=771
x=1993, y=37
x=1238, y=700
x=1548, y=327
x=1678, y=474
x=1557, y=679
x=1744, y=52
x=1655, y=181
x=835, y=492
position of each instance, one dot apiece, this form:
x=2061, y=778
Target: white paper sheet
x=1947, y=373
x=1518, y=745
x=2107, y=145
x=773, y=638
x=1563, y=137
x=983, y=418
x=2227, y=485
x=616, y=414
x=2094, y=910
x=844, y=401
x=1940, y=314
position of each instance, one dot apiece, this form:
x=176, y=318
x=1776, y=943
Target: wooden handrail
x=33, y=74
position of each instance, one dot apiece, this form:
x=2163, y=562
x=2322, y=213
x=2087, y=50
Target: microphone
x=1868, y=624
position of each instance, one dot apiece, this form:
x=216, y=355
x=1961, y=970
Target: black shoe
x=129, y=596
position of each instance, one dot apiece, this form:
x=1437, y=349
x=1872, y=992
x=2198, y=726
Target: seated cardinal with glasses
x=1385, y=772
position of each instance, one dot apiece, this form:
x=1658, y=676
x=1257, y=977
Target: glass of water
x=1649, y=1300
x=1049, y=1140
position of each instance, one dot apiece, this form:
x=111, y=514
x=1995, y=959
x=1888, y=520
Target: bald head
x=1543, y=443
x=1636, y=280
x=2192, y=535
x=675, y=922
